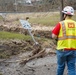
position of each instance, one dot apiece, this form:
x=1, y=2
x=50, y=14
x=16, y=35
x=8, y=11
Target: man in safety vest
x=65, y=31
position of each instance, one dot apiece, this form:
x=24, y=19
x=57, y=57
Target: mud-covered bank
x=14, y=46
x=41, y=66
x=34, y=67
x=18, y=49
x=15, y=49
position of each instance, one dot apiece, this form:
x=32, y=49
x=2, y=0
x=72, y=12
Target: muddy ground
x=38, y=66
x=45, y=65
x=41, y=66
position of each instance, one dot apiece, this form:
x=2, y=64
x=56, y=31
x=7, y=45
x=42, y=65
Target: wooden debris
x=36, y=53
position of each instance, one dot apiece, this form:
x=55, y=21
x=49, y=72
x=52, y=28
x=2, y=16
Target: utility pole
x=15, y=4
x=61, y=8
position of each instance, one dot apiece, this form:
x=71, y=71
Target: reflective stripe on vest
x=64, y=33
x=67, y=35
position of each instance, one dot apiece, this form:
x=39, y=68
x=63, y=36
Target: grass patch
x=10, y=35
x=47, y=20
x=1, y=74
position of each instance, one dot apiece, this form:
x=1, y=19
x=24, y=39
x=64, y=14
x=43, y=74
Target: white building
x=28, y=1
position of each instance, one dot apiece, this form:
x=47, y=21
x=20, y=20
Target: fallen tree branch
x=36, y=53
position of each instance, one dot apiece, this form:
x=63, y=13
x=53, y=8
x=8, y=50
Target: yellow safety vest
x=67, y=35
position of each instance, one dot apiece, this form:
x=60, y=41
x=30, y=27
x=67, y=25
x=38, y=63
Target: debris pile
x=39, y=52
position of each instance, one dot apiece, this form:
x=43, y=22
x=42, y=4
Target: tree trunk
x=61, y=8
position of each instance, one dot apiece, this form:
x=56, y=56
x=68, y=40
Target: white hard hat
x=68, y=10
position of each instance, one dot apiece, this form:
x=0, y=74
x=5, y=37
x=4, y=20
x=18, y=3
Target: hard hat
x=68, y=10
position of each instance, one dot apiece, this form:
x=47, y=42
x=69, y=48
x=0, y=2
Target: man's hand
x=54, y=36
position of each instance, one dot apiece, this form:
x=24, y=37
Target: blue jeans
x=66, y=57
